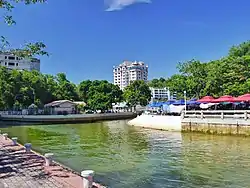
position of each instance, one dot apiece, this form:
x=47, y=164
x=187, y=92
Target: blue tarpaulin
x=179, y=102
x=170, y=102
x=193, y=102
x=155, y=104
x=160, y=104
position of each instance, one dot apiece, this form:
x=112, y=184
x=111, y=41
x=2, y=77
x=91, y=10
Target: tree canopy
x=20, y=89
x=229, y=75
x=137, y=92
x=99, y=94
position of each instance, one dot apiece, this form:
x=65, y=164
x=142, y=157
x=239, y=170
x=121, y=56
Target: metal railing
x=215, y=114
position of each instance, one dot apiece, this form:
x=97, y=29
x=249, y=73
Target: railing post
x=87, y=177
x=5, y=135
x=14, y=140
x=48, y=159
x=222, y=115
x=202, y=115
x=27, y=147
x=245, y=115
x=182, y=115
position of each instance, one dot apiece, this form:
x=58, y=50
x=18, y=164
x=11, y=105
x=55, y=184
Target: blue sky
x=87, y=37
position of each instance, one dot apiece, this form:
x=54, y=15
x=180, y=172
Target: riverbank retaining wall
x=75, y=118
x=227, y=126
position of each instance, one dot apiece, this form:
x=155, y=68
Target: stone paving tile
x=19, y=169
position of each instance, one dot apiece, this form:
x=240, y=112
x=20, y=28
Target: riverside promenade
x=21, y=169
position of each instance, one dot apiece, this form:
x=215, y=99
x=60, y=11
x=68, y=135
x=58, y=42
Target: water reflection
x=216, y=161
x=125, y=156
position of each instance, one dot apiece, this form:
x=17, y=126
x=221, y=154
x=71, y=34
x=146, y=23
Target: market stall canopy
x=155, y=104
x=245, y=95
x=242, y=98
x=193, y=102
x=171, y=101
x=225, y=98
x=206, y=99
x=179, y=102
x=176, y=108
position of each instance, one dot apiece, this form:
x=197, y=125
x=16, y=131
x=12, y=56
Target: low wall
x=227, y=126
x=168, y=123
x=74, y=118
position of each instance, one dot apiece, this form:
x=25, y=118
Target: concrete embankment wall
x=228, y=126
x=74, y=118
x=168, y=123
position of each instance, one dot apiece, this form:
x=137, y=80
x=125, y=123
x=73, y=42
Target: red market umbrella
x=245, y=95
x=225, y=98
x=206, y=99
x=241, y=98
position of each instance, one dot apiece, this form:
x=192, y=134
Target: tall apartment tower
x=128, y=72
x=11, y=61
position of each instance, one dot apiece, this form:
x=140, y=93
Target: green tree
x=177, y=83
x=83, y=89
x=137, y=92
x=157, y=83
x=65, y=89
x=229, y=75
x=101, y=94
x=240, y=50
x=195, y=73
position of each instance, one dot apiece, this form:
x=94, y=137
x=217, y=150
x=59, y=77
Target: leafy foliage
x=229, y=75
x=99, y=95
x=29, y=49
x=137, y=92
x=20, y=89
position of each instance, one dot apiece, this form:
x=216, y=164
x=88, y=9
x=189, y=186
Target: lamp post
x=185, y=98
x=34, y=96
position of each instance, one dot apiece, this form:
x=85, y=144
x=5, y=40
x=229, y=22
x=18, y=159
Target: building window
x=11, y=64
x=11, y=58
x=16, y=64
x=5, y=63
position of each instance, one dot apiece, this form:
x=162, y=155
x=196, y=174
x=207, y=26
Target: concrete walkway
x=19, y=169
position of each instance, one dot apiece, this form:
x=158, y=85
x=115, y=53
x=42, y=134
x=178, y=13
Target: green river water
x=124, y=157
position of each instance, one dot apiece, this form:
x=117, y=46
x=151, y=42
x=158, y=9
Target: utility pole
x=185, y=98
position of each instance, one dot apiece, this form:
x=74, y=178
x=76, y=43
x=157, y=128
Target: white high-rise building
x=11, y=61
x=128, y=72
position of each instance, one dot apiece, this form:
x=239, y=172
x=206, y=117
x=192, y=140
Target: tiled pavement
x=19, y=169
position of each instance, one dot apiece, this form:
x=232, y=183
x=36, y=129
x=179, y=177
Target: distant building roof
x=32, y=106
x=56, y=103
x=120, y=105
x=80, y=103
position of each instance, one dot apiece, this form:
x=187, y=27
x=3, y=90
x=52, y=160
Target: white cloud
x=120, y=4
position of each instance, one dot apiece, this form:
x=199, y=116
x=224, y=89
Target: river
x=125, y=157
